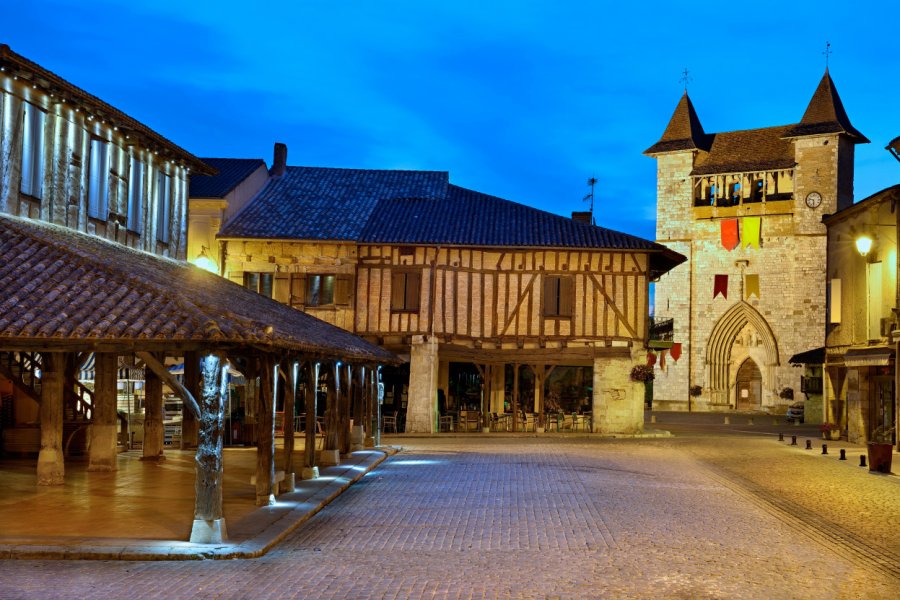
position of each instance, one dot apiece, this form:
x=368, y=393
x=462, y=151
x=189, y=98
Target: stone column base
x=290, y=482
x=208, y=532
x=329, y=457
x=309, y=473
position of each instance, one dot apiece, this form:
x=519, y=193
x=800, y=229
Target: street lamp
x=863, y=245
x=205, y=262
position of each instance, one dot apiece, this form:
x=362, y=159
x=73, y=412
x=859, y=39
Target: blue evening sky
x=524, y=100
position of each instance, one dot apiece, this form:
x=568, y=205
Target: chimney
x=279, y=161
x=582, y=216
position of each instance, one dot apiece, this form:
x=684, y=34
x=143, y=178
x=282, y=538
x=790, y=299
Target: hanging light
x=205, y=262
x=863, y=245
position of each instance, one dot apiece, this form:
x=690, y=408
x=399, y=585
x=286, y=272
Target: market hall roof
x=63, y=289
x=231, y=173
x=315, y=203
x=51, y=83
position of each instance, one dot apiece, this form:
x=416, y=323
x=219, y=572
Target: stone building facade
x=746, y=208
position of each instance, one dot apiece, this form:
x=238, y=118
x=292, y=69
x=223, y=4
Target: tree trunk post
x=331, y=413
x=51, y=467
x=310, y=470
x=370, y=392
x=265, y=445
x=344, y=391
x=251, y=401
x=189, y=423
x=154, y=433
x=102, y=438
x=209, y=519
x=290, y=401
x=357, y=434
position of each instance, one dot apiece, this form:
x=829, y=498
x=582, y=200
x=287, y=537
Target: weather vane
x=685, y=78
x=827, y=53
x=591, y=182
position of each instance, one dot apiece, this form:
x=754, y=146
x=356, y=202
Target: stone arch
x=722, y=339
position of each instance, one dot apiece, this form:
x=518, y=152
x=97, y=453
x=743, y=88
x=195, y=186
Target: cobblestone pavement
x=695, y=516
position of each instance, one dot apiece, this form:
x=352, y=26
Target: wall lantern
x=205, y=262
x=863, y=245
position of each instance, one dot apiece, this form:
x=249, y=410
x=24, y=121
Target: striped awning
x=879, y=356
x=127, y=370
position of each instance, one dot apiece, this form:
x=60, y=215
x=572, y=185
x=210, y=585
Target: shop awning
x=816, y=356
x=126, y=372
x=878, y=356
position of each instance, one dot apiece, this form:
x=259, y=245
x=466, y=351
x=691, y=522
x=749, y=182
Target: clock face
x=813, y=199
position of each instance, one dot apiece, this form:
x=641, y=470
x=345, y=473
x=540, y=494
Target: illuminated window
x=33, y=152
x=135, y=195
x=98, y=180
x=558, y=296
x=405, y=287
x=163, y=206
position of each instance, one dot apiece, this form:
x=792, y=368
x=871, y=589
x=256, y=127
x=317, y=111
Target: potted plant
x=830, y=431
x=880, y=449
x=539, y=423
x=786, y=393
x=642, y=373
x=695, y=391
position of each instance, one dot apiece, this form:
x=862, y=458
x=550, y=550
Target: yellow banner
x=751, y=286
x=750, y=235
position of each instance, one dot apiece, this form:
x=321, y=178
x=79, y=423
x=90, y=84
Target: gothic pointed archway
x=749, y=386
x=737, y=320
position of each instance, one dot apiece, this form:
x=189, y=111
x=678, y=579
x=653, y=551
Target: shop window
x=405, y=289
x=261, y=283
x=33, y=151
x=558, y=292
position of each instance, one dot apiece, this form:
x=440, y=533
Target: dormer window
x=98, y=180
x=33, y=151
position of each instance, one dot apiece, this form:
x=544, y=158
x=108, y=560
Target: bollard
x=824, y=448
x=843, y=454
x=862, y=460
x=780, y=437
x=727, y=421
x=809, y=444
x=793, y=440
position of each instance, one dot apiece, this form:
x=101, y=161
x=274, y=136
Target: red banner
x=675, y=351
x=730, y=234
x=721, y=286
x=651, y=359
x=662, y=360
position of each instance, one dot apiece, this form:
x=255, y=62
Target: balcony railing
x=661, y=328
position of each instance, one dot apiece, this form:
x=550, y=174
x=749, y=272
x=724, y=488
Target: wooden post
x=153, y=414
x=344, y=409
x=515, y=402
x=331, y=413
x=358, y=433
x=310, y=470
x=251, y=401
x=368, y=400
x=103, y=442
x=209, y=519
x=189, y=423
x=290, y=400
x=265, y=445
x=486, y=374
x=51, y=468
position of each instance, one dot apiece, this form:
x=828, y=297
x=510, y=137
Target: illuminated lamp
x=863, y=245
x=205, y=262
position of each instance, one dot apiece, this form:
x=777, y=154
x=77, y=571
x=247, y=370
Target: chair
x=445, y=423
x=389, y=422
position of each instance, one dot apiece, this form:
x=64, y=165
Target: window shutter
x=282, y=289
x=136, y=196
x=835, y=301
x=342, y=290
x=413, y=285
x=298, y=289
x=566, y=296
x=398, y=291
x=551, y=298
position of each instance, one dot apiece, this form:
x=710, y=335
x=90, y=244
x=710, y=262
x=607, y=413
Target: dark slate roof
x=232, y=171
x=63, y=287
x=826, y=114
x=684, y=131
x=469, y=218
x=747, y=150
x=50, y=82
x=894, y=147
x=314, y=203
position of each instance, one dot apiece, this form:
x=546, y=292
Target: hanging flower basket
x=642, y=373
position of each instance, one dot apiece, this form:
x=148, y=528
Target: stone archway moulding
x=723, y=335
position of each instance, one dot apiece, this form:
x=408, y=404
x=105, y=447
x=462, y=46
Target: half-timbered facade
x=447, y=277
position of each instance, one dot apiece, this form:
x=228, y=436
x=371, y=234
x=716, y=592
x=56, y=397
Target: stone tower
x=745, y=207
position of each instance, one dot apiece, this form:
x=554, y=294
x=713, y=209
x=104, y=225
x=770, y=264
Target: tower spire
x=827, y=53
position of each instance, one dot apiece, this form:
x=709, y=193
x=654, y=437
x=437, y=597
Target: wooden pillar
x=153, y=414
x=371, y=425
x=344, y=409
x=265, y=444
x=189, y=425
x=290, y=399
x=515, y=402
x=251, y=401
x=102, y=445
x=310, y=470
x=51, y=465
x=357, y=434
x=209, y=519
x=485, y=373
x=331, y=412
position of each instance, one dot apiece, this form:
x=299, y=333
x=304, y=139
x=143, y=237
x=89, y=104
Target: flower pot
x=540, y=428
x=834, y=434
x=880, y=457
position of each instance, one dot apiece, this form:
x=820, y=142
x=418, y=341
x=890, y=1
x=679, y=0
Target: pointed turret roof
x=684, y=131
x=825, y=114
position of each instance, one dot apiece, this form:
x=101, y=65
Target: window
x=163, y=202
x=405, y=290
x=320, y=289
x=33, y=151
x=261, y=283
x=558, y=296
x=98, y=180
x=135, y=195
